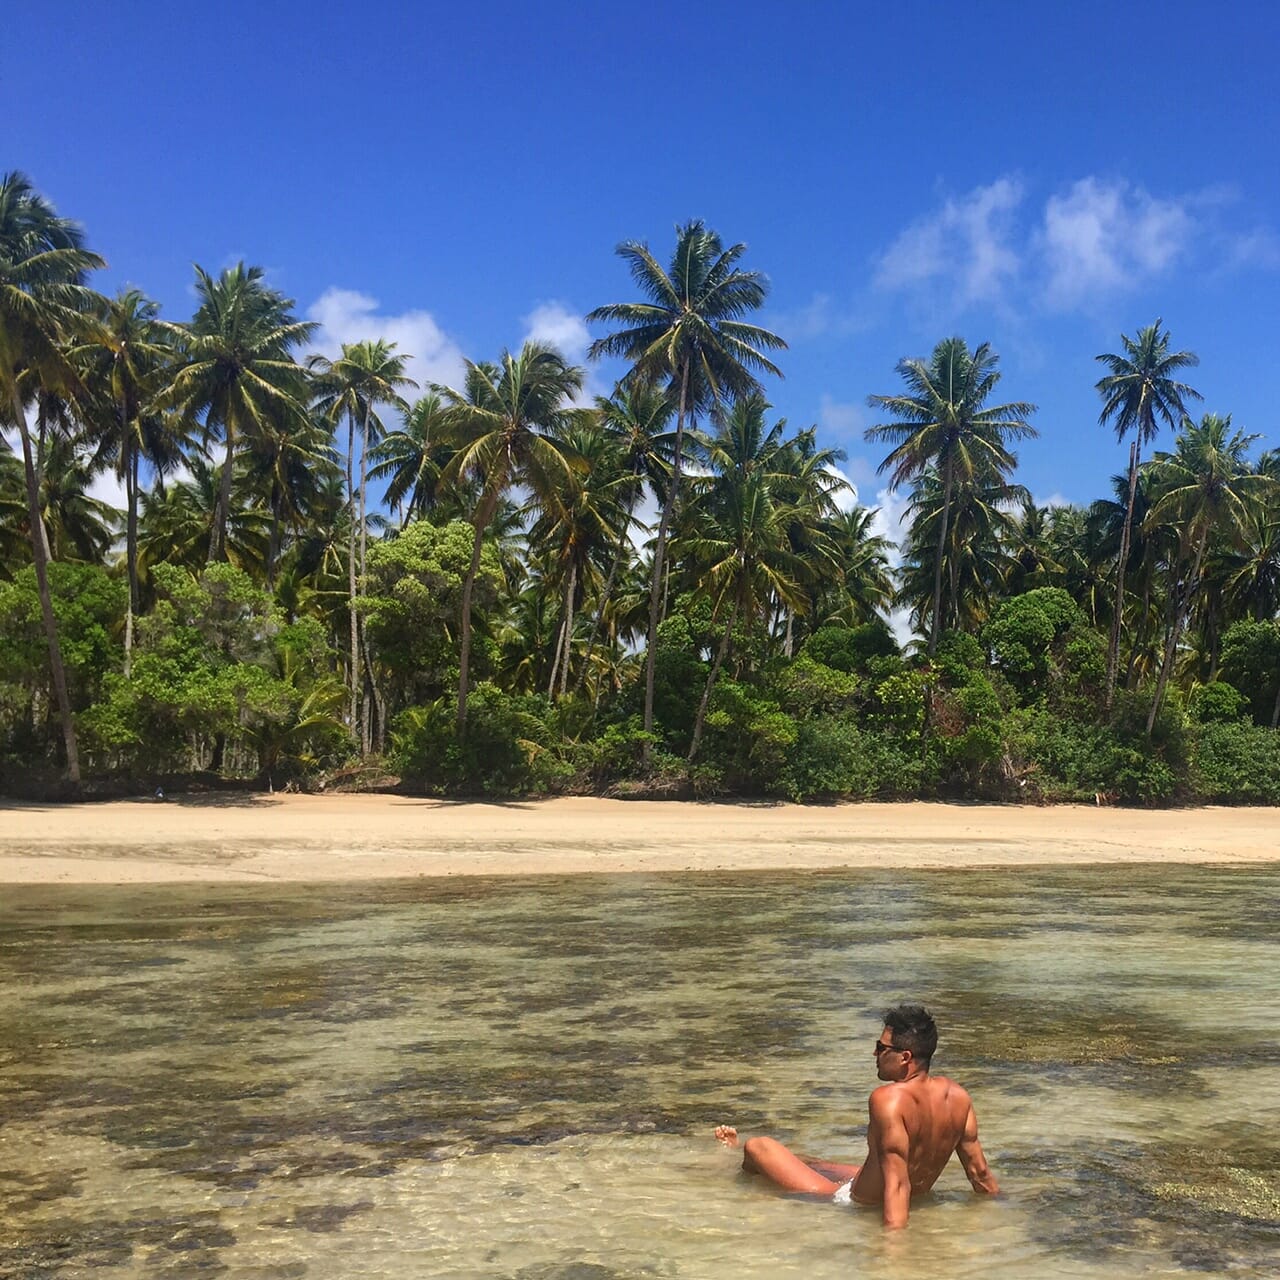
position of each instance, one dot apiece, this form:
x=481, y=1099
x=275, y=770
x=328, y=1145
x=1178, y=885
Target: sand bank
x=370, y=837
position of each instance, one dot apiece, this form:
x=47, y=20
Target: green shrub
x=835, y=759
x=1216, y=703
x=748, y=740
x=851, y=649
x=506, y=750
x=1238, y=763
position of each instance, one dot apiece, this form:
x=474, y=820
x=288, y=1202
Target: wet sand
x=230, y=838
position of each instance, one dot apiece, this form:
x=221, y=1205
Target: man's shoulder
x=886, y=1099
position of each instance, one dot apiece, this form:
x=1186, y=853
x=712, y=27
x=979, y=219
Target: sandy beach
x=229, y=838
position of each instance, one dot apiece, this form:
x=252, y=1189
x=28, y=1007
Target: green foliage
x=414, y=595
x=1062, y=759
x=1022, y=629
x=214, y=667
x=1237, y=763
x=965, y=733
x=507, y=747
x=806, y=686
x=89, y=607
x=748, y=742
x=899, y=703
x=834, y=759
x=1215, y=703
x=851, y=649
x=1251, y=662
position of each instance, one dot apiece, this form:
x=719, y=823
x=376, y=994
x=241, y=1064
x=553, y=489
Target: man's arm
x=887, y=1139
x=974, y=1160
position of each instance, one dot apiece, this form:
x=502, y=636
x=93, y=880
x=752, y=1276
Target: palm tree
x=944, y=423
x=367, y=374
x=972, y=558
x=1205, y=486
x=411, y=458
x=739, y=541
x=174, y=524
x=638, y=418
x=806, y=480
x=863, y=591
x=43, y=303
x=579, y=529
x=1138, y=393
x=235, y=370
x=690, y=334
x=79, y=526
x=499, y=424
x=286, y=465
x=123, y=361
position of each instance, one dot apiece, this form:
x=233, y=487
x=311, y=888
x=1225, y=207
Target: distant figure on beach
x=917, y=1121
x=160, y=794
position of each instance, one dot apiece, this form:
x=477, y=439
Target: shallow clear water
x=519, y=1078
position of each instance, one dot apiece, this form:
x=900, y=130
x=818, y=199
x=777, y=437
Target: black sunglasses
x=881, y=1047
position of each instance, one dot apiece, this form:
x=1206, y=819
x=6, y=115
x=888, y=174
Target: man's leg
x=785, y=1169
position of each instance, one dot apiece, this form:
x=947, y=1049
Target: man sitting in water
x=917, y=1121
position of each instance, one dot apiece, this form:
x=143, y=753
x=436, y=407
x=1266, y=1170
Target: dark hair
x=913, y=1028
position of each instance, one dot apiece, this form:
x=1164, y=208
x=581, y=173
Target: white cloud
x=1258, y=248
x=108, y=487
x=1055, y=499
x=966, y=247
x=890, y=521
x=346, y=315
x=563, y=328
x=560, y=327
x=1107, y=237
x=840, y=417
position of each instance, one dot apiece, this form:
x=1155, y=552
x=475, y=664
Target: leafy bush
x=1065, y=760
x=1216, y=703
x=1238, y=762
x=1251, y=662
x=851, y=649
x=835, y=759
x=747, y=743
x=507, y=748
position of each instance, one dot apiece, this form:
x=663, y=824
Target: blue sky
x=1040, y=177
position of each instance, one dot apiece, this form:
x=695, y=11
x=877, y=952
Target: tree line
x=667, y=588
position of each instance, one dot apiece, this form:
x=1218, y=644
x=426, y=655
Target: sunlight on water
x=519, y=1078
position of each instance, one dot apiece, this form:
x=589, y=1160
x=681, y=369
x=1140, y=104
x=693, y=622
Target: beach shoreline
x=243, y=838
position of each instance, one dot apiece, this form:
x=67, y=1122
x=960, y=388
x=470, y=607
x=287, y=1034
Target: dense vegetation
x=322, y=570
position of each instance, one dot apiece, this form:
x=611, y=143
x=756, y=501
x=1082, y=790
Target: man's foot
x=727, y=1134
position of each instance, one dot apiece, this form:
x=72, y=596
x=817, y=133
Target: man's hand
x=974, y=1159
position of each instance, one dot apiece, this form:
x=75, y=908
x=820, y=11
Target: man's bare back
x=916, y=1122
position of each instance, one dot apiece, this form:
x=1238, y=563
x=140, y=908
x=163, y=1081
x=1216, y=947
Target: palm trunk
x=1275, y=711
x=484, y=513
x=364, y=452
x=354, y=668
x=39, y=553
x=721, y=654
x=555, y=657
x=659, y=554
x=1171, y=644
x=935, y=626
x=604, y=602
x=788, y=642
x=1113, y=650
x=222, y=513
x=42, y=427
x=273, y=541
x=131, y=547
x=568, y=629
